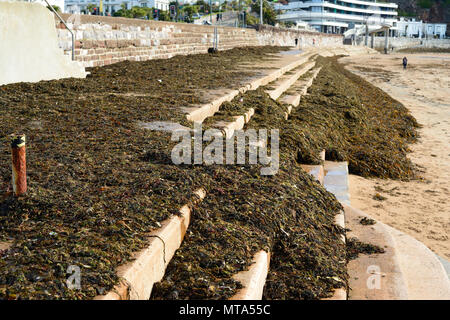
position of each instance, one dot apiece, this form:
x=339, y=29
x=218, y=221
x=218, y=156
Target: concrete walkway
x=406, y=270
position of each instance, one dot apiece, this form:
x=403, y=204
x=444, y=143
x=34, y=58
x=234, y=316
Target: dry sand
x=418, y=208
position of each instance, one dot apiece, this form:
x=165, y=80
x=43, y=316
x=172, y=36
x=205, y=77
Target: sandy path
x=418, y=208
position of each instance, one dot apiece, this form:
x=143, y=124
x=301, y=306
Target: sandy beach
x=420, y=208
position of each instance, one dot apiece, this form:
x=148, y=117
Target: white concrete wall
x=29, y=49
x=401, y=43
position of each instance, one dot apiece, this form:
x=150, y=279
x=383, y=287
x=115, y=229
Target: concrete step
x=148, y=265
x=334, y=167
x=315, y=170
x=293, y=100
x=5, y=245
x=253, y=279
x=303, y=84
x=318, y=172
x=284, y=83
x=336, y=180
x=407, y=269
x=300, y=87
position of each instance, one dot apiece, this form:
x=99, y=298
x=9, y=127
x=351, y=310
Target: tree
x=269, y=14
x=123, y=13
x=57, y=9
x=251, y=20
x=164, y=16
x=90, y=7
x=138, y=12
x=189, y=11
x=201, y=6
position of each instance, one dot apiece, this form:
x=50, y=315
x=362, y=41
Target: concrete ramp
x=29, y=49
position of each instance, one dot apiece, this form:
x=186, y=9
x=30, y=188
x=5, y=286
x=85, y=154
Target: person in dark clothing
x=405, y=62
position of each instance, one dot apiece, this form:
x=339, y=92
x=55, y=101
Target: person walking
x=405, y=62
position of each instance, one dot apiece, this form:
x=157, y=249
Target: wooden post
x=19, y=165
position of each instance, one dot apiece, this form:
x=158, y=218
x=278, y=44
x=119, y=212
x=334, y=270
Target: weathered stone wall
x=105, y=40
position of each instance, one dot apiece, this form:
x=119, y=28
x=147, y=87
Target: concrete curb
x=138, y=276
x=424, y=274
x=407, y=269
x=254, y=279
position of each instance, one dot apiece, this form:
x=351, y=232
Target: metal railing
x=65, y=24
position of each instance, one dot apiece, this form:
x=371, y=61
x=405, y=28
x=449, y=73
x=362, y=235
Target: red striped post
x=19, y=165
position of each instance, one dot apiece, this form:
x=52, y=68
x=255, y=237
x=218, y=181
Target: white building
x=435, y=30
x=111, y=6
x=412, y=28
x=337, y=16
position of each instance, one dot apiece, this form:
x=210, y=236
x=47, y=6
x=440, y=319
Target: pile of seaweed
x=288, y=214
x=98, y=183
x=353, y=121
x=96, y=186
x=356, y=247
x=356, y=122
x=350, y=118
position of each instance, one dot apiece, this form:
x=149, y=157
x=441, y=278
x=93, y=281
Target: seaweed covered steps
x=247, y=292
x=148, y=265
x=284, y=83
x=97, y=182
x=350, y=119
x=292, y=97
x=241, y=115
x=318, y=172
x=283, y=64
x=288, y=214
